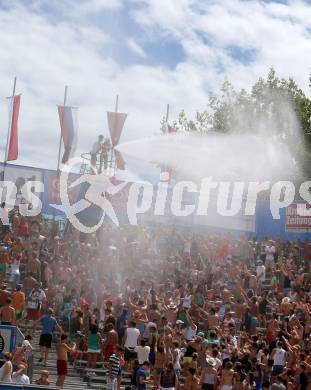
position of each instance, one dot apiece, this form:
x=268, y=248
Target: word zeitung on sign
x=297, y=222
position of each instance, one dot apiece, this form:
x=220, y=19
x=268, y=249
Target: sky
x=149, y=52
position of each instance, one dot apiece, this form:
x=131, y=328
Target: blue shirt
x=48, y=324
x=140, y=373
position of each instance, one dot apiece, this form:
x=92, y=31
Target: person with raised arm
x=62, y=350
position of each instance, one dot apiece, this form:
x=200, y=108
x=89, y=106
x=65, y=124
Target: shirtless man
x=226, y=379
x=29, y=283
x=273, y=328
x=4, y=295
x=7, y=313
x=225, y=294
x=47, y=274
x=33, y=266
x=171, y=313
x=212, y=318
x=112, y=341
x=26, y=243
x=62, y=359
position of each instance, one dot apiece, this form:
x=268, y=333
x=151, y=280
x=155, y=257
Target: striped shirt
x=114, y=361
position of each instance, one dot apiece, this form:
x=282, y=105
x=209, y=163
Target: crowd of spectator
x=176, y=309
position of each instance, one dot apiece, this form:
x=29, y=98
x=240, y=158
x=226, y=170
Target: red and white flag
x=68, y=119
x=115, y=124
x=120, y=163
x=12, y=147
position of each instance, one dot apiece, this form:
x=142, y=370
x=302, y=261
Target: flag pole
x=167, y=112
x=62, y=120
x=60, y=143
x=9, y=129
x=112, y=148
x=10, y=122
x=117, y=104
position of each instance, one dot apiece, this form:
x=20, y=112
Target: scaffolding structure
x=98, y=167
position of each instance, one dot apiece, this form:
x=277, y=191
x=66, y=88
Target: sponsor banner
x=51, y=188
x=295, y=222
x=51, y=194
x=20, y=175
